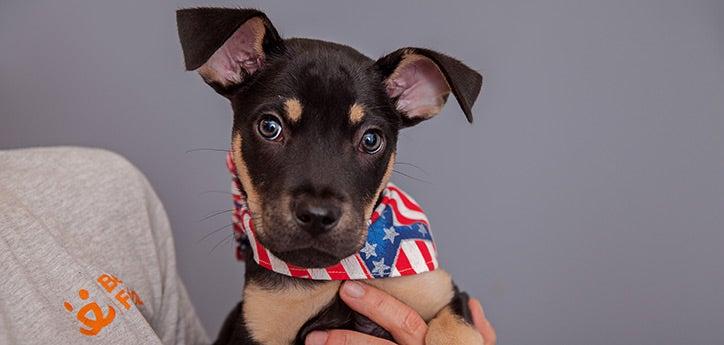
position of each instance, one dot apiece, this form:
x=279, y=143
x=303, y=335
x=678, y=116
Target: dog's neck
x=270, y=280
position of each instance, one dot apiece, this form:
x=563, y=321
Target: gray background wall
x=584, y=206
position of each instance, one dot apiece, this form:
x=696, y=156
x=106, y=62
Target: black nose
x=316, y=216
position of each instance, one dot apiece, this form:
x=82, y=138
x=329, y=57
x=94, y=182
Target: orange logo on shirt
x=91, y=315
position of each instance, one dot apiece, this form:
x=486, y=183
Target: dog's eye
x=371, y=141
x=270, y=127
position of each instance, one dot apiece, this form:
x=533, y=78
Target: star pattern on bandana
x=390, y=234
x=422, y=229
x=380, y=267
x=369, y=250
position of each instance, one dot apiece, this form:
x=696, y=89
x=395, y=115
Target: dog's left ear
x=225, y=45
x=420, y=80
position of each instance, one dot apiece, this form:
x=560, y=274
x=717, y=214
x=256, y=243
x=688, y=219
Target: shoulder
x=61, y=160
x=72, y=170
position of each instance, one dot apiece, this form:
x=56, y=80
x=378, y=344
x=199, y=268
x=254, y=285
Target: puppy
x=313, y=146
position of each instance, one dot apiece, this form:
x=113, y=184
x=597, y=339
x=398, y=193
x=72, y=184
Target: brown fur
x=274, y=315
x=449, y=328
x=228, y=47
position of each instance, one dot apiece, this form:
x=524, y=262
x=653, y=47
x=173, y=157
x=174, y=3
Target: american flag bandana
x=399, y=241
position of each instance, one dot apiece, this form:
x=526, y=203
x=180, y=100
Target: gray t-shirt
x=86, y=253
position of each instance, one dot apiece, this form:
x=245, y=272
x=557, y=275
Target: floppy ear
x=420, y=80
x=226, y=46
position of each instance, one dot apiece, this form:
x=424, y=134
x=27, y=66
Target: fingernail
x=316, y=338
x=353, y=289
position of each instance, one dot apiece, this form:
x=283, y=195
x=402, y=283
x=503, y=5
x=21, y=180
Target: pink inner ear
x=420, y=86
x=238, y=57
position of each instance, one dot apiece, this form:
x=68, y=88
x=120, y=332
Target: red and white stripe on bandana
x=399, y=241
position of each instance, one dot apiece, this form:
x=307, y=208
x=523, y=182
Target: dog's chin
x=309, y=258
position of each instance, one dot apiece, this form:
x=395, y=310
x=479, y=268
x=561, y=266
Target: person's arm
x=405, y=325
x=86, y=253
x=176, y=321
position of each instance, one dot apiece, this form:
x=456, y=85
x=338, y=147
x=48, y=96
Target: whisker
x=413, y=165
x=214, y=191
x=411, y=177
x=206, y=149
x=214, y=231
x=221, y=242
x=214, y=214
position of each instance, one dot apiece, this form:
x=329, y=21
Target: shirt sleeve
x=176, y=321
x=87, y=254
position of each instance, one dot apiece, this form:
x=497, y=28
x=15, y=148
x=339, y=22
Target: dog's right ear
x=226, y=46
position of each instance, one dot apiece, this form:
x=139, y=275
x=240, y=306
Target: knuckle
x=339, y=338
x=346, y=339
x=378, y=302
x=413, y=324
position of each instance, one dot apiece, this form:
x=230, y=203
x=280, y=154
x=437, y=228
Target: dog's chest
x=288, y=319
x=275, y=316
x=281, y=316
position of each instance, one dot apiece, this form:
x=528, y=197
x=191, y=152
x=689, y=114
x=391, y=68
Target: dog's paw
x=448, y=328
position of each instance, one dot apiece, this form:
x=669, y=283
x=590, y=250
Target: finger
x=481, y=323
x=342, y=337
x=404, y=323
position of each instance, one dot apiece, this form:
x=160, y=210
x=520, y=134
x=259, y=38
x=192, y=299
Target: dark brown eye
x=270, y=127
x=371, y=141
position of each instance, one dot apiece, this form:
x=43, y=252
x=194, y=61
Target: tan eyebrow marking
x=356, y=112
x=252, y=196
x=293, y=109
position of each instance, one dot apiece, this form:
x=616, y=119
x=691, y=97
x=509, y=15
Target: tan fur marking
x=427, y=292
x=407, y=58
x=449, y=328
x=385, y=178
x=252, y=197
x=209, y=74
x=356, y=113
x=293, y=109
x=259, y=29
x=370, y=206
x=275, y=316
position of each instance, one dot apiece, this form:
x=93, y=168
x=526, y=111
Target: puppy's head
x=315, y=124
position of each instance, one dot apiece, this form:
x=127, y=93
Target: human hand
x=405, y=325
